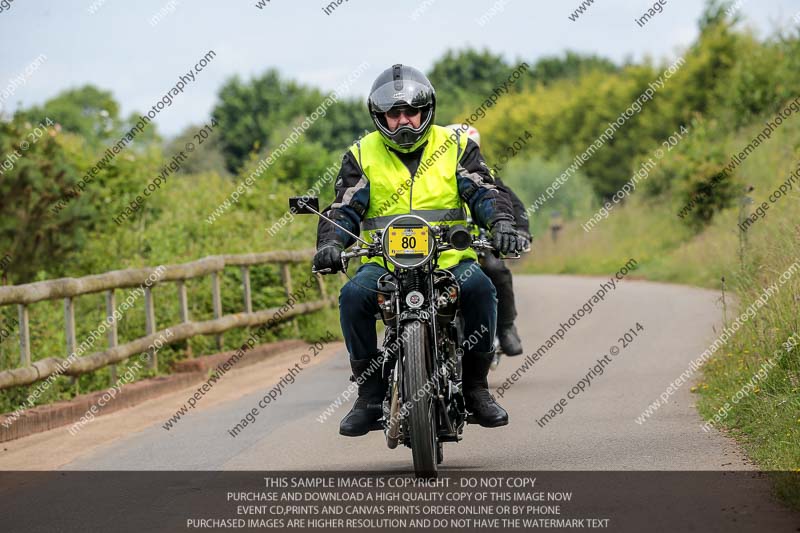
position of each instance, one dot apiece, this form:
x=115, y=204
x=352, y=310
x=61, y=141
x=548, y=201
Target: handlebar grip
x=359, y=252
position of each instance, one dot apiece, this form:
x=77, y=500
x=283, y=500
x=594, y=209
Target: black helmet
x=402, y=86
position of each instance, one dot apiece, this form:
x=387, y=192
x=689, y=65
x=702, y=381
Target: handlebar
x=375, y=250
x=360, y=252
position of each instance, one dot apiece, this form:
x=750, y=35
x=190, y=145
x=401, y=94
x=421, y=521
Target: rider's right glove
x=329, y=255
x=504, y=237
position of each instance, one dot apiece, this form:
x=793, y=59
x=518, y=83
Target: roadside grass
x=646, y=233
x=756, y=404
x=766, y=420
x=764, y=414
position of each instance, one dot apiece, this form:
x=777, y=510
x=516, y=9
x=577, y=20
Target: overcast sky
x=116, y=48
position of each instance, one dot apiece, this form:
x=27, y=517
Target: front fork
x=392, y=413
x=391, y=374
x=451, y=411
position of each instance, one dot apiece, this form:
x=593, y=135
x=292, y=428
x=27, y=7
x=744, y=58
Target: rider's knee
x=479, y=289
x=352, y=295
x=356, y=297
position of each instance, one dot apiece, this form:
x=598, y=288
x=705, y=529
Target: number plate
x=408, y=242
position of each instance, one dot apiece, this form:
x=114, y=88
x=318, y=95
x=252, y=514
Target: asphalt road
x=596, y=431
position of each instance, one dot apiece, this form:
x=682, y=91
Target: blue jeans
x=358, y=307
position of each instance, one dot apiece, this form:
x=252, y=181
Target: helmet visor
x=413, y=94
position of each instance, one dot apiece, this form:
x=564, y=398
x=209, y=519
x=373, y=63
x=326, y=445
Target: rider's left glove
x=504, y=237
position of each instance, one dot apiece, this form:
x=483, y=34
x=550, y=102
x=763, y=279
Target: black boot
x=509, y=340
x=485, y=411
x=367, y=410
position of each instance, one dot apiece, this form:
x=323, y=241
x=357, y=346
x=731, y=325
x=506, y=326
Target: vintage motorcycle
x=424, y=339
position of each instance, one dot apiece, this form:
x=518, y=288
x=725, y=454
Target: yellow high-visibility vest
x=432, y=193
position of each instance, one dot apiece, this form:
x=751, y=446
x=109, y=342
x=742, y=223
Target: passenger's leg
x=500, y=275
x=478, y=307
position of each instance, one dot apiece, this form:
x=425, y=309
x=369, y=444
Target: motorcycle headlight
x=408, y=241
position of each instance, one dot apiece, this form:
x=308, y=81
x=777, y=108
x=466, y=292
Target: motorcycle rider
x=409, y=165
x=498, y=271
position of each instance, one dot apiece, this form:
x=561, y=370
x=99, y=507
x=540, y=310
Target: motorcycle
x=424, y=341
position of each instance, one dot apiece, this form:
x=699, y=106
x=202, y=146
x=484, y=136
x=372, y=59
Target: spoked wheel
x=419, y=400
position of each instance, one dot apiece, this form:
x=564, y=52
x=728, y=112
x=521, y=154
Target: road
x=596, y=431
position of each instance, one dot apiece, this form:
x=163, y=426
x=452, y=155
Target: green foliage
x=693, y=175
x=601, y=100
x=343, y=123
x=36, y=178
x=570, y=65
x=301, y=167
x=207, y=157
x=465, y=78
x=170, y=227
x=728, y=78
x=710, y=190
x=251, y=112
x=764, y=76
x=643, y=231
x=569, y=116
x=715, y=13
x=709, y=63
x=86, y=111
x=530, y=177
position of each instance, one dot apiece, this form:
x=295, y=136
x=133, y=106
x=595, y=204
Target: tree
x=251, y=112
x=571, y=65
x=87, y=111
x=463, y=77
x=45, y=165
x=207, y=157
x=29, y=186
x=344, y=122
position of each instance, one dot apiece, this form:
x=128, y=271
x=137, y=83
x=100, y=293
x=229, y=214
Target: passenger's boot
x=367, y=409
x=509, y=339
x=485, y=411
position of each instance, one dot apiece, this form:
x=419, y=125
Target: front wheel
x=421, y=416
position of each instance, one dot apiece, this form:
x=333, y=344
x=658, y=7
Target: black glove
x=329, y=255
x=504, y=237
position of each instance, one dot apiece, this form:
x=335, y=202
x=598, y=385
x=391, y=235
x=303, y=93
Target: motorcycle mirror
x=304, y=205
x=309, y=205
x=459, y=237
